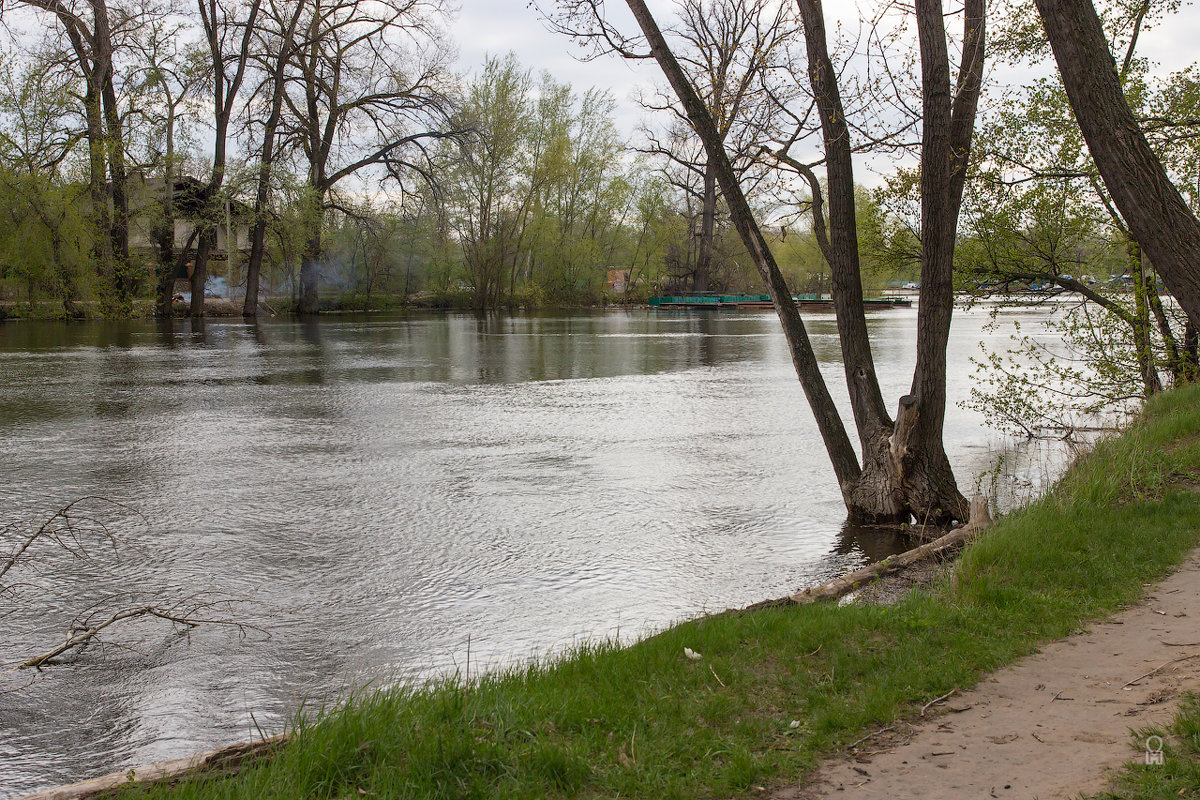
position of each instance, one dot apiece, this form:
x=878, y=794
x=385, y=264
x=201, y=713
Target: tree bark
x=839, y=242
x=199, y=279
x=123, y=283
x=165, y=289
x=947, y=123
x=905, y=470
x=1157, y=216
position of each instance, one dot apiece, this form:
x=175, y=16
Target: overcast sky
x=496, y=26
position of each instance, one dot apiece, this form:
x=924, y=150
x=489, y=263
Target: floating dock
x=715, y=300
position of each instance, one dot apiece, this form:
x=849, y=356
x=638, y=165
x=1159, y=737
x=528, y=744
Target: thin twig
x=1160, y=667
x=937, y=700
x=857, y=742
x=714, y=674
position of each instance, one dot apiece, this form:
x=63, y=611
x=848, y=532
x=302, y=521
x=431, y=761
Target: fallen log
x=839, y=587
x=223, y=761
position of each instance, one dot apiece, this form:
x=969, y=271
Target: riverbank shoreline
x=280, y=307
x=775, y=691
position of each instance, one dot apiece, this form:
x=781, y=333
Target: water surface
x=373, y=490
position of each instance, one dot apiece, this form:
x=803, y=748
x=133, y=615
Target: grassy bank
x=1178, y=775
x=778, y=688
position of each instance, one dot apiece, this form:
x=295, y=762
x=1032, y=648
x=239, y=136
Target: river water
x=370, y=491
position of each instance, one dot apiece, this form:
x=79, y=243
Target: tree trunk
x=905, y=470
x=165, y=289
x=948, y=121
x=708, y=217
x=164, y=236
x=1191, y=351
x=101, y=211
x=1141, y=327
x=1156, y=214
x=1174, y=359
x=114, y=141
x=204, y=247
x=124, y=280
x=258, y=235
x=310, y=273
x=840, y=244
x=258, y=241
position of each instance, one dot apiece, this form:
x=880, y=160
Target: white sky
x=494, y=27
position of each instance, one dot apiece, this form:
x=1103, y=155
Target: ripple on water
x=372, y=491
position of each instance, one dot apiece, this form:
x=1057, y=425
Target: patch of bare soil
x=1053, y=725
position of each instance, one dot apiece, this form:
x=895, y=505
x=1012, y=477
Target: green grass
x=1178, y=775
x=645, y=721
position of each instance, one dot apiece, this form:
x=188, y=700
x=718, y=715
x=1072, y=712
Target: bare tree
x=165, y=82
x=94, y=31
x=369, y=93
x=228, y=37
x=730, y=50
x=277, y=34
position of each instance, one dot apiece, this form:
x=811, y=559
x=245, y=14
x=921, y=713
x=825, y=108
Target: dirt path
x=1053, y=725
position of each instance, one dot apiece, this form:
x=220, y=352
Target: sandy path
x=1051, y=726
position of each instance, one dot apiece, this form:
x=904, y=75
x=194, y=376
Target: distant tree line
x=323, y=152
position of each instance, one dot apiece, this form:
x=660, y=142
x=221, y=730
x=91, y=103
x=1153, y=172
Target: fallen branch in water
x=188, y=614
x=96, y=573
x=66, y=528
x=839, y=587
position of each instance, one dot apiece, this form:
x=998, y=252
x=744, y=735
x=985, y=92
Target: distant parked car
x=911, y=285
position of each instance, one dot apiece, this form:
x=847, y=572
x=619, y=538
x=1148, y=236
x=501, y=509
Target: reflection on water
x=377, y=488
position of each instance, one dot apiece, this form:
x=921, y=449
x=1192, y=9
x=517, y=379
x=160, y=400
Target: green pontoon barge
x=716, y=300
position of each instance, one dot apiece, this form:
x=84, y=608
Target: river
x=372, y=490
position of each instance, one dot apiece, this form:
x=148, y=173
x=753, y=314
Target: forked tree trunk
x=1157, y=216
x=875, y=497
x=905, y=470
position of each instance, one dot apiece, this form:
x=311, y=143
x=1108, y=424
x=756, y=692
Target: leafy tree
x=44, y=238
x=1151, y=205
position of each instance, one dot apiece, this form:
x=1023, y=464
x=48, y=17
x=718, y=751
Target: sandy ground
x=1052, y=726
